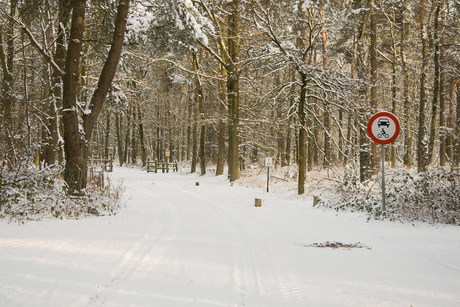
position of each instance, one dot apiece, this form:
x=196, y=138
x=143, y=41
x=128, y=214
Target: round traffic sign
x=383, y=128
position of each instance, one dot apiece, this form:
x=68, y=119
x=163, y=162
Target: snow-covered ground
x=181, y=244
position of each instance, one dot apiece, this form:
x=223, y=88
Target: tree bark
x=221, y=125
x=107, y=135
x=199, y=99
x=302, y=137
x=194, y=143
x=53, y=150
x=119, y=138
x=442, y=85
x=133, y=136
x=457, y=130
x=141, y=137
x=365, y=148
x=76, y=140
x=75, y=173
x=436, y=85
x=422, y=159
x=127, y=142
x=327, y=119
x=394, y=88
x=233, y=93
x=108, y=71
x=373, y=76
x=408, y=160
x=7, y=94
x=202, y=149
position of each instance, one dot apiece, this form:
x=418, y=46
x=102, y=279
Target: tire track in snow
x=257, y=276
x=260, y=279
x=146, y=249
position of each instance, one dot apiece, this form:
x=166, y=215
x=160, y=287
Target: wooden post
x=258, y=202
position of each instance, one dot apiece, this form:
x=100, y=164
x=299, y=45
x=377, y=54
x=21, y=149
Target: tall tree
x=233, y=90
x=457, y=127
x=408, y=159
x=437, y=88
x=7, y=96
x=75, y=138
x=422, y=158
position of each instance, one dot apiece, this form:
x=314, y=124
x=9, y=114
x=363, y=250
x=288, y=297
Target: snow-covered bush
x=30, y=193
x=430, y=197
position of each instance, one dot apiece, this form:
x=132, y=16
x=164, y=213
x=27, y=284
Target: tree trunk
x=194, y=144
x=7, y=94
x=457, y=130
x=127, y=142
x=133, y=136
x=119, y=138
x=374, y=77
x=141, y=137
x=199, y=99
x=442, y=86
x=202, y=149
x=408, y=160
x=301, y=162
x=436, y=88
x=48, y=152
x=327, y=138
x=65, y=8
x=291, y=119
x=7, y=60
x=75, y=146
x=221, y=124
x=394, y=88
x=311, y=132
x=75, y=173
x=326, y=118
x=107, y=135
x=190, y=116
x=108, y=71
x=233, y=93
x=422, y=159
x=53, y=150
x=365, y=148
x=277, y=117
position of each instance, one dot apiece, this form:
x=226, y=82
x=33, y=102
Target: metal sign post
x=383, y=128
x=268, y=164
x=383, y=179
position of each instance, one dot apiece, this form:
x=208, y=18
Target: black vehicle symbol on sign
x=384, y=122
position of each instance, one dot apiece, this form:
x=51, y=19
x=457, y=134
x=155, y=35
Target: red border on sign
x=371, y=121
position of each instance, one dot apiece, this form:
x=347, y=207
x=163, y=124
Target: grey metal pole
x=268, y=178
x=383, y=181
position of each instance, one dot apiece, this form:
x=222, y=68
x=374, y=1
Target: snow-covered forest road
x=179, y=244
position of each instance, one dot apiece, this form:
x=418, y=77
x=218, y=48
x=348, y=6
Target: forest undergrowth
x=31, y=193
x=431, y=197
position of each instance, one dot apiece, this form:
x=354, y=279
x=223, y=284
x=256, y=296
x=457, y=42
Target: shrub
x=430, y=197
x=30, y=193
